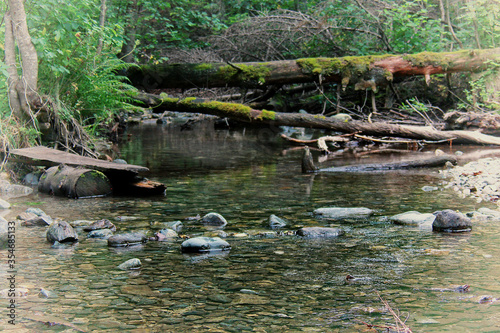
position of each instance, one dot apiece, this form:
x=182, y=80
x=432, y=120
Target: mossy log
x=362, y=72
x=246, y=114
x=74, y=183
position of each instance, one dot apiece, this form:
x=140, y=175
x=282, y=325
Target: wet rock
x=31, y=179
x=133, y=263
x=80, y=223
x=101, y=224
x=14, y=191
x=204, y=244
x=38, y=221
x=127, y=239
x=62, y=232
x=100, y=233
x=44, y=293
x=319, y=232
x=338, y=213
x=275, y=222
x=414, y=218
x=165, y=235
x=175, y=225
x=484, y=214
x=214, y=219
x=4, y=204
x=451, y=221
x=26, y=216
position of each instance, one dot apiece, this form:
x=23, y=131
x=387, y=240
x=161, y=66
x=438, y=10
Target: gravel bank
x=478, y=179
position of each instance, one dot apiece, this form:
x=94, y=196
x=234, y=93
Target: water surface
x=264, y=284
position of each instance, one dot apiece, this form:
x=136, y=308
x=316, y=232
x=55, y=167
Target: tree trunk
x=246, y=114
x=363, y=72
x=22, y=90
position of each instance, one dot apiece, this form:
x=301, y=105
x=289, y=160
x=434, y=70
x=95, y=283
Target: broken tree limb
x=246, y=114
x=362, y=72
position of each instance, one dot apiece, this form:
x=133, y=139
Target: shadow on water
x=265, y=283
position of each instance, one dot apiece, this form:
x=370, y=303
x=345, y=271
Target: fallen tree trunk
x=362, y=71
x=246, y=114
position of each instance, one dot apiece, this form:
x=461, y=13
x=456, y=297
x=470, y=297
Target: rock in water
x=127, y=239
x=307, y=162
x=100, y=233
x=133, y=263
x=451, y=221
x=422, y=220
x=338, y=213
x=101, y=224
x=62, y=232
x=319, y=232
x=214, y=219
x=204, y=244
x=276, y=222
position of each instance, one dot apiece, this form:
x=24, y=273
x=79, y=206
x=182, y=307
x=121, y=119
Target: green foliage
x=480, y=23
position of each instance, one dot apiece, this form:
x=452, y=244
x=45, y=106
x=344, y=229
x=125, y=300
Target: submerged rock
x=101, y=224
x=100, y=233
x=338, y=213
x=414, y=218
x=214, y=219
x=451, y=221
x=4, y=204
x=175, y=225
x=133, y=263
x=165, y=235
x=205, y=244
x=276, y=222
x=319, y=232
x=61, y=232
x=127, y=239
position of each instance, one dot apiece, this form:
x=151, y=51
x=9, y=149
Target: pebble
x=478, y=179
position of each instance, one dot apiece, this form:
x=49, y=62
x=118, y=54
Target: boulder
x=101, y=224
x=133, y=263
x=204, y=244
x=414, y=218
x=339, y=213
x=214, y=219
x=319, y=232
x=276, y=222
x=127, y=239
x=61, y=232
x=451, y=221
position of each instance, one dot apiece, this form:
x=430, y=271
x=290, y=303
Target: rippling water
x=264, y=284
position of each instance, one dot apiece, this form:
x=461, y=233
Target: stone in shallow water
x=422, y=220
x=100, y=233
x=451, y=221
x=338, y=213
x=101, y=224
x=127, y=239
x=133, y=263
x=276, y=222
x=62, y=232
x=319, y=232
x=214, y=219
x=204, y=244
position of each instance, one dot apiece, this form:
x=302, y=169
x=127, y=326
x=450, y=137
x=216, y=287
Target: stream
x=265, y=283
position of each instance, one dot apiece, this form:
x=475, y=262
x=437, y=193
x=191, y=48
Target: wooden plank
x=49, y=157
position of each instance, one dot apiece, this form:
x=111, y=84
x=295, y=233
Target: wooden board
x=50, y=157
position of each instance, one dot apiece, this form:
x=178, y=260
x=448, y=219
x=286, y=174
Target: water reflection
x=264, y=284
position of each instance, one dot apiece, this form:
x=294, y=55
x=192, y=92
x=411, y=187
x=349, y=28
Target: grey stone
x=4, y=204
x=451, y=221
x=133, y=263
x=414, y=218
x=338, y=213
x=275, y=222
x=205, y=244
x=127, y=239
x=101, y=224
x=214, y=219
x=62, y=232
x=100, y=233
x=319, y=232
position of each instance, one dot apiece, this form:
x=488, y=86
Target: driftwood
x=362, y=72
x=246, y=114
x=431, y=162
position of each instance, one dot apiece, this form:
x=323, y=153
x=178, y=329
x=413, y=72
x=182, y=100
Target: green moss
x=249, y=73
x=203, y=67
x=323, y=66
x=443, y=60
x=268, y=115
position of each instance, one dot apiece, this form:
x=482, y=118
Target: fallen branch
x=246, y=114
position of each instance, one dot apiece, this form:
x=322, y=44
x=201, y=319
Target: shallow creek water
x=264, y=284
